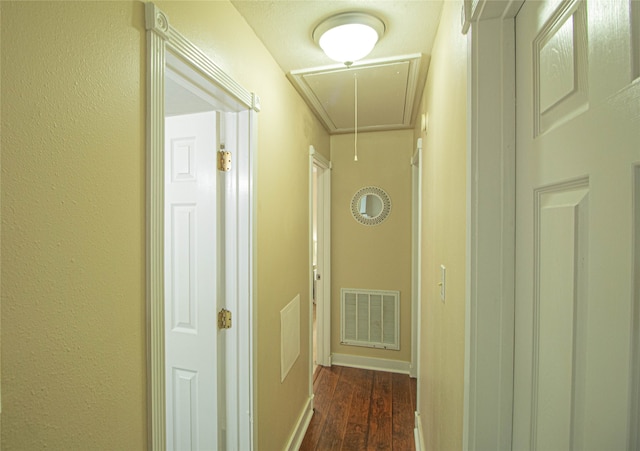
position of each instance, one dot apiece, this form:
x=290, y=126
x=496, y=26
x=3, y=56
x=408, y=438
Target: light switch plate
x=443, y=282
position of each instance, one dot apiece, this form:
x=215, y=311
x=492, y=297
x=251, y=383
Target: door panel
x=191, y=257
x=577, y=141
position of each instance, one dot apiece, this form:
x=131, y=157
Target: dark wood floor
x=361, y=410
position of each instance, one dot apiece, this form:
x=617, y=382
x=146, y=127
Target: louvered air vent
x=370, y=318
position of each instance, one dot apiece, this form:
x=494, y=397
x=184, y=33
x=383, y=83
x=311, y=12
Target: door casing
x=416, y=267
x=323, y=308
x=165, y=45
x=490, y=255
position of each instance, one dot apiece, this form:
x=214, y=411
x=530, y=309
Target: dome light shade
x=348, y=37
x=350, y=42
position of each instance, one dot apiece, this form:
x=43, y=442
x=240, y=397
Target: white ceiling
x=389, y=83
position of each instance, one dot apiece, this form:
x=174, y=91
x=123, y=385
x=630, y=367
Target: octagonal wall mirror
x=370, y=205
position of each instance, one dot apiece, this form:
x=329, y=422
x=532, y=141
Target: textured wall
x=443, y=237
x=73, y=271
x=73, y=334
x=372, y=257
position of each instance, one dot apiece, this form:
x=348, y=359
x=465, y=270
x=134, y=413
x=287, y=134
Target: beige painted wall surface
x=73, y=271
x=372, y=257
x=73, y=310
x=443, y=237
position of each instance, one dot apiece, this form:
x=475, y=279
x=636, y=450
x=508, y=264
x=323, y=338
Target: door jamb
x=324, y=313
x=490, y=254
x=416, y=265
x=162, y=38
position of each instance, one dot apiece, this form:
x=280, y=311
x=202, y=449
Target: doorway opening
x=183, y=84
x=416, y=246
x=320, y=261
x=314, y=263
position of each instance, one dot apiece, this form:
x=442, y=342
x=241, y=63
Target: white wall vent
x=370, y=318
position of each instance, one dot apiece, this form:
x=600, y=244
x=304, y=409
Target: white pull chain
x=355, y=142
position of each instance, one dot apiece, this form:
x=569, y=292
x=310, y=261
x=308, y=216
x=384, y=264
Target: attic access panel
x=386, y=93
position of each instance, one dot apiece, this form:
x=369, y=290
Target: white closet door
x=578, y=144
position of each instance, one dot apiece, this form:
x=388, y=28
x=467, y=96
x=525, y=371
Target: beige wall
x=73, y=333
x=443, y=237
x=73, y=271
x=372, y=257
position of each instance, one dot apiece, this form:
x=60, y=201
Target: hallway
x=359, y=409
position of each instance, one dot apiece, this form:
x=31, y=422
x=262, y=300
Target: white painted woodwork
x=339, y=109
x=192, y=260
x=387, y=91
x=323, y=234
x=184, y=401
x=556, y=56
x=371, y=363
x=560, y=64
x=171, y=56
x=299, y=431
x=577, y=141
x=227, y=295
x=635, y=36
x=488, y=379
x=634, y=418
x=243, y=369
x=416, y=252
x=559, y=316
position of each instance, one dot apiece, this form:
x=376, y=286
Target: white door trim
x=489, y=322
x=324, y=263
x=416, y=266
x=165, y=43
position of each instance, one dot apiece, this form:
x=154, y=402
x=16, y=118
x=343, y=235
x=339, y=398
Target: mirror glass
x=370, y=205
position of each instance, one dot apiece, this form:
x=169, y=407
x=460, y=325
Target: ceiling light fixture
x=349, y=37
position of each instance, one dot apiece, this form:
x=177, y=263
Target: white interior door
x=191, y=282
x=321, y=215
x=577, y=146
x=182, y=80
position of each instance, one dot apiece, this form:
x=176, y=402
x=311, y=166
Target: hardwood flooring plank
x=357, y=409
x=355, y=437
x=402, y=424
x=323, y=388
x=312, y=436
x=356, y=375
x=401, y=387
x=402, y=413
x=379, y=436
x=337, y=417
x=380, y=428
x=361, y=402
x=327, y=383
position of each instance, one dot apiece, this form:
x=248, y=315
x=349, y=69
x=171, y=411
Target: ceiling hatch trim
x=386, y=93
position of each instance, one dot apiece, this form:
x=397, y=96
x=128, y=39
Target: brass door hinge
x=224, y=159
x=224, y=319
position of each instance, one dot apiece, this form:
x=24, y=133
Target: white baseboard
x=418, y=435
x=413, y=370
x=294, y=442
x=370, y=363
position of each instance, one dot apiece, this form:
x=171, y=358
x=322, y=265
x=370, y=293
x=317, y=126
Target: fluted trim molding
x=157, y=23
x=155, y=240
x=161, y=37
